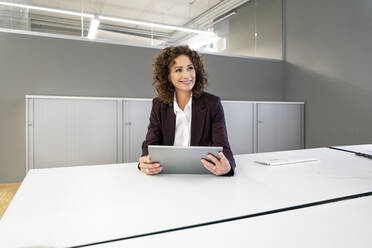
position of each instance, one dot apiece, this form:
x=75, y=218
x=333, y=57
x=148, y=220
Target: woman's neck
x=182, y=99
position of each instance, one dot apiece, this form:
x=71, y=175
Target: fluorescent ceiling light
x=94, y=23
x=60, y=11
x=115, y=19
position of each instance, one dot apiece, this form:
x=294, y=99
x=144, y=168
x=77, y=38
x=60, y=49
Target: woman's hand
x=148, y=167
x=220, y=166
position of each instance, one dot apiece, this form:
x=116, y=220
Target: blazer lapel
x=197, y=121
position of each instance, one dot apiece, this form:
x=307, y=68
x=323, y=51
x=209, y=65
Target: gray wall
x=329, y=66
x=51, y=66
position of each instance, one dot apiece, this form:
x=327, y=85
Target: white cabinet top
x=139, y=99
x=83, y=98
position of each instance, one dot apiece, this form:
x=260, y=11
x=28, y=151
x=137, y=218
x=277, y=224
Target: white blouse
x=183, y=123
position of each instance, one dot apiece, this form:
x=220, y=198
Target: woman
x=183, y=114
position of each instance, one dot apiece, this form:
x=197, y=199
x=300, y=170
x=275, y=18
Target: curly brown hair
x=161, y=66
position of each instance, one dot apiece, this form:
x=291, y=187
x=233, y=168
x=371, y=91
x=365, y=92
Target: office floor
x=7, y=192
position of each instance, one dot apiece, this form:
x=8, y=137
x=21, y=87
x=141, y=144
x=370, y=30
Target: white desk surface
x=342, y=224
x=78, y=205
x=366, y=148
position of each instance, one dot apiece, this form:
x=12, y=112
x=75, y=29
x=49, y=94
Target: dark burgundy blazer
x=208, y=126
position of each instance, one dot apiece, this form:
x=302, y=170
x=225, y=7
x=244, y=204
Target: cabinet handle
x=259, y=122
x=127, y=123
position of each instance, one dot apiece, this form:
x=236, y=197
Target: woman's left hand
x=220, y=166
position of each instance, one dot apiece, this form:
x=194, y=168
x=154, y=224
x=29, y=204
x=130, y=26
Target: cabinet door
x=136, y=120
x=68, y=132
x=239, y=124
x=279, y=127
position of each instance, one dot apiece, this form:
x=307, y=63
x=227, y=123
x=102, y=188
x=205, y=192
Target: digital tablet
x=182, y=159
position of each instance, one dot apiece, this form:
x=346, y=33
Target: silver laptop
x=182, y=159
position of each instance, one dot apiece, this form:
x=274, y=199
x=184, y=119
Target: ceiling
x=161, y=11
x=198, y=14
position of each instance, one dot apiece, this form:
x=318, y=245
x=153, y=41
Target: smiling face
x=182, y=74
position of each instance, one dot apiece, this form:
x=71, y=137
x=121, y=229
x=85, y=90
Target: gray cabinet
x=264, y=126
x=69, y=131
x=239, y=117
x=136, y=114
x=280, y=126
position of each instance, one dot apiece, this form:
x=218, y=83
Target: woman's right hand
x=148, y=167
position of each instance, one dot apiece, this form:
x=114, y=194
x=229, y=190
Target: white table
x=72, y=206
x=342, y=224
x=366, y=148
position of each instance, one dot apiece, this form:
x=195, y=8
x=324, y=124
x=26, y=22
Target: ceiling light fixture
x=93, y=28
x=115, y=19
x=60, y=11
